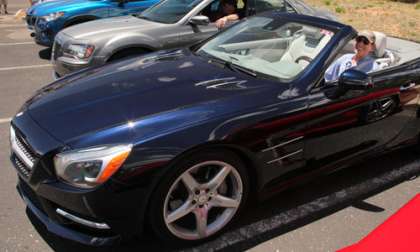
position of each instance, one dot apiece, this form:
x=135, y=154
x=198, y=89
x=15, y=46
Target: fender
x=126, y=41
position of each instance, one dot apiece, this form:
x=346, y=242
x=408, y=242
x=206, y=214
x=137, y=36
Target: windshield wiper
x=140, y=16
x=245, y=70
x=229, y=64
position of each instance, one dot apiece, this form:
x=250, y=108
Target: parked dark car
x=169, y=24
x=180, y=139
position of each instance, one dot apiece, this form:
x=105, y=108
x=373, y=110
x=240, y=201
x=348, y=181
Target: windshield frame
x=336, y=34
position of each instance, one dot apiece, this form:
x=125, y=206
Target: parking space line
x=18, y=43
x=5, y=120
x=23, y=67
x=4, y=25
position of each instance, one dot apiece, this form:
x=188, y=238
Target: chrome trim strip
x=18, y=151
x=82, y=221
x=282, y=144
x=286, y=156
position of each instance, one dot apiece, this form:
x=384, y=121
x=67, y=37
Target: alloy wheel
x=203, y=200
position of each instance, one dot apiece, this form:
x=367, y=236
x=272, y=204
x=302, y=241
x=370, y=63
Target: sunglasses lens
x=363, y=40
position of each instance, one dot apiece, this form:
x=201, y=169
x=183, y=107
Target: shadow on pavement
x=45, y=53
x=288, y=210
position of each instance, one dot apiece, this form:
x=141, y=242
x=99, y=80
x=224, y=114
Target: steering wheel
x=308, y=59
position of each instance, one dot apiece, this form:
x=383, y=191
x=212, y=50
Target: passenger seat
x=385, y=58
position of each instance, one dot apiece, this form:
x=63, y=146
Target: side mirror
x=353, y=79
x=199, y=20
x=121, y=2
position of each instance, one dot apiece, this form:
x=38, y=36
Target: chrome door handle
x=407, y=86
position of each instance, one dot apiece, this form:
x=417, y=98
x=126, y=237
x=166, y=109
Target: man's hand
x=221, y=22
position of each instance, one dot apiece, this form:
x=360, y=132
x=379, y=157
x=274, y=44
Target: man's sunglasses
x=363, y=40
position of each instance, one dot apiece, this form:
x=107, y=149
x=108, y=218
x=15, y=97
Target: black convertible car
x=178, y=140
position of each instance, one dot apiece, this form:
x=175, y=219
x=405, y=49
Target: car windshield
x=169, y=11
x=271, y=47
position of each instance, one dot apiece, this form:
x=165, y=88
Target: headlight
x=79, y=51
x=53, y=16
x=87, y=168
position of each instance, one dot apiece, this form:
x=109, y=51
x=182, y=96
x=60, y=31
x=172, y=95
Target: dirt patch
x=393, y=18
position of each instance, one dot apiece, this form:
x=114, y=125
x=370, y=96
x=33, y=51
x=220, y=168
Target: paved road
x=324, y=215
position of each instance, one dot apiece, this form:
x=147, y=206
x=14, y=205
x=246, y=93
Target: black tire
x=127, y=53
x=78, y=21
x=157, y=203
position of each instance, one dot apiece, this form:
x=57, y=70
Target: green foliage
x=327, y=2
x=340, y=9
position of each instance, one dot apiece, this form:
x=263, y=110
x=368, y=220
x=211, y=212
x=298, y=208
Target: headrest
x=380, y=44
x=312, y=32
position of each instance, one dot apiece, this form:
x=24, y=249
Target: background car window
x=269, y=47
x=169, y=11
x=265, y=5
x=212, y=11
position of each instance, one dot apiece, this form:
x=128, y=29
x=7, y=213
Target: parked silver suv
x=168, y=24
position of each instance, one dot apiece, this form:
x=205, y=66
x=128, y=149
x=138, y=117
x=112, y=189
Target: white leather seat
x=385, y=58
x=307, y=45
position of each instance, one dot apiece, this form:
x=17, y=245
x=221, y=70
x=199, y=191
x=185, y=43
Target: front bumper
x=44, y=33
x=44, y=38
x=63, y=67
x=63, y=231
x=121, y=219
x=120, y=206
x=30, y=21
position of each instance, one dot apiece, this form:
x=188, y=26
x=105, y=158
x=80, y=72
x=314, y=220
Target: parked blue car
x=48, y=18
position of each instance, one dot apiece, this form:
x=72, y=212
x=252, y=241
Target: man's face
x=228, y=9
x=363, y=46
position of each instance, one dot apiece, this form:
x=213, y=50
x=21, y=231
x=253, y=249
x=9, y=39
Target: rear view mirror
x=353, y=79
x=199, y=20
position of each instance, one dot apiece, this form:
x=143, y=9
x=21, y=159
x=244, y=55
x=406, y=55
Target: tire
x=200, y=196
x=127, y=53
x=78, y=21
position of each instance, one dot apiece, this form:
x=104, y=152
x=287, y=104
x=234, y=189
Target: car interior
x=213, y=10
x=283, y=53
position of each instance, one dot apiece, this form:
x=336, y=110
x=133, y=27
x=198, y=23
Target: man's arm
x=221, y=22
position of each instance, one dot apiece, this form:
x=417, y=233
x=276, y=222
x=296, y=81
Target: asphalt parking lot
x=324, y=215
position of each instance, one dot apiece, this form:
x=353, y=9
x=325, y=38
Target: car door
x=363, y=121
x=191, y=34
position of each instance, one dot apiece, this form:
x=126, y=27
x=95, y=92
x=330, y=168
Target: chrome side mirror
x=199, y=20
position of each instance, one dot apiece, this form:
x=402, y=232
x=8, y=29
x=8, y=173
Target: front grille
x=26, y=150
x=21, y=167
x=23, y=155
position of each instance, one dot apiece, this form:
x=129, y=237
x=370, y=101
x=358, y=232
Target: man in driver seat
x=228, y=12
x=362, y=60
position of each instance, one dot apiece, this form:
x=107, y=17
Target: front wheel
x=200, y=198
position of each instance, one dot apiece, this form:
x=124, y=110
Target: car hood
x=109, y=27
x=146, y=89
x=46, y=8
